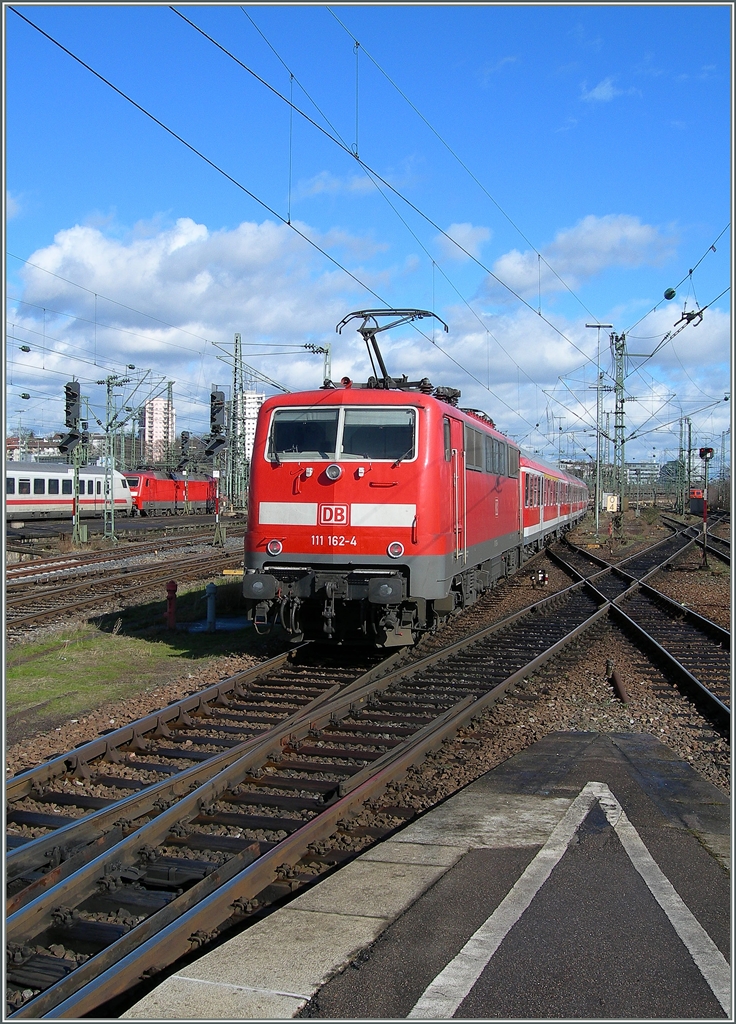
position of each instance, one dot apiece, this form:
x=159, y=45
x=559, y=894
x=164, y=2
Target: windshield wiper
x=409, y=451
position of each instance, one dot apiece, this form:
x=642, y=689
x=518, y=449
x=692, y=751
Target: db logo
x=333, y=515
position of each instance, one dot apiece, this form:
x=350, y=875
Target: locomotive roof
x=381, y=396
x=395, y=396
x=51, y=467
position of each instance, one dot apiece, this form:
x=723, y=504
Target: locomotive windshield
x=310, y=433
x=347, y=433
x=378, y=434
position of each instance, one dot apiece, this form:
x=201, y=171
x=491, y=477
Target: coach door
x=459, y=488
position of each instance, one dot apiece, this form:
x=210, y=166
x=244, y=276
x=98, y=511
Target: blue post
x=210, y=590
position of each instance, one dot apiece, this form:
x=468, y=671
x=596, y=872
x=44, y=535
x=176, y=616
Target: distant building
x=642, y=472
x=159, y=429
x=252, y=402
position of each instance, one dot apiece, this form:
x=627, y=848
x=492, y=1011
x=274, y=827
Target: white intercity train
x=38, y=490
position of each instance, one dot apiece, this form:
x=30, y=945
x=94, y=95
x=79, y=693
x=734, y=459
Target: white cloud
x=12, y=205
x=326, y=183
x=578, y=253
x=264, y=282
x=468, y=236
x=602, y=93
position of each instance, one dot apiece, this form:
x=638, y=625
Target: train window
x=124, y=483
x=296, y=433
x=66, y=487
x=526, y=491
x=474, y=449
x=10, y=485
x=378, y=434
x=513, y=467
x=24, y=487
x=99, y=487
x=39, y=486
x=133, y=481
x=53, y=486
x=448, y=439
x=502, y=463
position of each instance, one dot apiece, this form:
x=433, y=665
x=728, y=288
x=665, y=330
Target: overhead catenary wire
x=711, y=248
x=459, y=160
x=372, y=170
x=234, y=181
x=414, y=235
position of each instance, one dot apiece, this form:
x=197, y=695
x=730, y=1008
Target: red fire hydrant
x=171, y=604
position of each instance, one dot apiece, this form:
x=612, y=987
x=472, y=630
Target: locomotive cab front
x=332, y=548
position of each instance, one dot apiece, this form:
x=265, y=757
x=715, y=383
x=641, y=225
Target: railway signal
x=72, y=404
x=215, y=444
x=184, y=460
x=70, y=442
x=706, y=454
x=217, y=411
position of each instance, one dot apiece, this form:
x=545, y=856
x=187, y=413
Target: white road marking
x=241, y=988
x=443, y=996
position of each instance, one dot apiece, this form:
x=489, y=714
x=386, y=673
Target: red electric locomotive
x=376, y=510
x=156, y=493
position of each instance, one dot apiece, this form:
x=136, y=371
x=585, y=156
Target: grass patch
x=117, y=656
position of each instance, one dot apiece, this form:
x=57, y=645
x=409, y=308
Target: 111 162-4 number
x=332, y=540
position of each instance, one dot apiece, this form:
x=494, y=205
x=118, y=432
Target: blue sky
x=598, y=141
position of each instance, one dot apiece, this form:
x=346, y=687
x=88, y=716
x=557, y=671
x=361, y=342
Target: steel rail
x=216, y=898
x=193, y=571
x=210, y=901
x=64, y=842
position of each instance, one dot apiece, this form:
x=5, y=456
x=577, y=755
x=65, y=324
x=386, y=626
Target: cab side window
x=447, y=436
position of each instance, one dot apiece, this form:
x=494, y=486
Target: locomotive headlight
x=258, y=587
x=274, y=547
x=334, y=472
x=384, y=590
x=395, y=549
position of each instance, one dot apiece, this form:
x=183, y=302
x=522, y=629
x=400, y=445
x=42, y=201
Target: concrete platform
x=587, y=877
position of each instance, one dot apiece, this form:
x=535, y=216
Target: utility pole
x=168, y=439
x=111, y=382
x=237, y=470
x=680, y=505
x=322, y=350
x=689, y=458
x=619, y=353
x=599, y=381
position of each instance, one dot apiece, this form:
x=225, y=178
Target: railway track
x=72, y=562
x=132, y=886
x=715, y=545
x=27, y=604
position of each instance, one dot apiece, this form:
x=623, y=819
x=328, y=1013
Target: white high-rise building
x=252, y=402
x=155, y=414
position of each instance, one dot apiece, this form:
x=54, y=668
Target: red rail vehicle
x=157, y=493
x=696, y=501
x=376, y=510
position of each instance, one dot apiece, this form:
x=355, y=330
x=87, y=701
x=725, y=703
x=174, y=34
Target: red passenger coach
x=376, y=510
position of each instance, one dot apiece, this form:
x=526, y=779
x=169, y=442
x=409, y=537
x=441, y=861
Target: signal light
x=214, y=446
x=72, y=404
x=706, y=453
x=217, y=411
x=70, y=442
